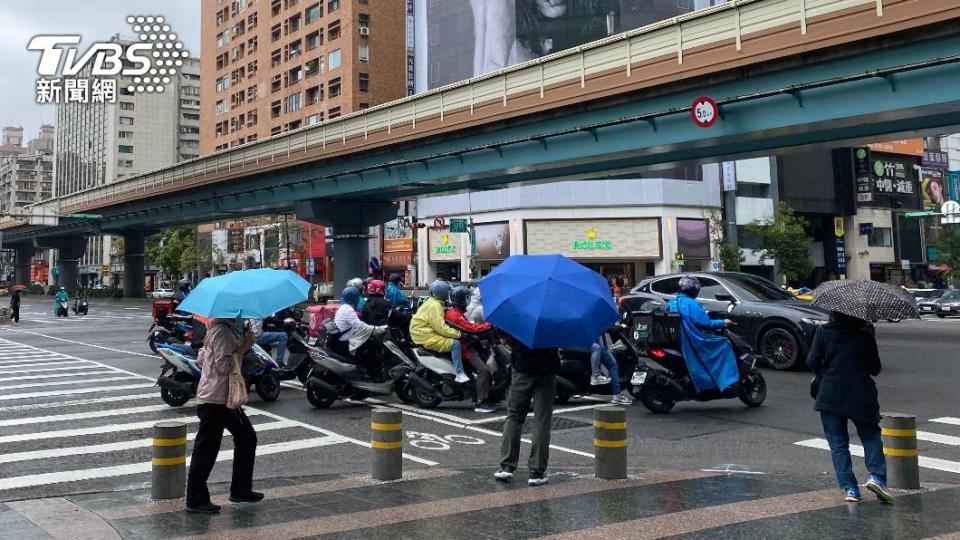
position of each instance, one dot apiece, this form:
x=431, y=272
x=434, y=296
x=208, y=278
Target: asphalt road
x=77, y=402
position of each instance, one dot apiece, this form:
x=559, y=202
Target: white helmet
x=356, y=283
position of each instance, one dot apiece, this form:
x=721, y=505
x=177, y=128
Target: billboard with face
x=460, y=39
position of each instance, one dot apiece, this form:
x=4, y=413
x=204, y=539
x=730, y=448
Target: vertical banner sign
x=953, y=185
x=411, y=39
x=861, y=175
x=838, y=227
x=729, y=175
x=841, y=258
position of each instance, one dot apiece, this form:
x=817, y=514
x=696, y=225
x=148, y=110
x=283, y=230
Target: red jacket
x=458, y=320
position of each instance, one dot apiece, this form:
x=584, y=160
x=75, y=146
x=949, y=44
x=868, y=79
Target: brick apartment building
x=270, y=66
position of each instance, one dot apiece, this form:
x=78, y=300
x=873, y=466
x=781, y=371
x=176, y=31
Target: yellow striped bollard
x=899, y=433
x=610, y=443
x=169, y=460
x=386, y=444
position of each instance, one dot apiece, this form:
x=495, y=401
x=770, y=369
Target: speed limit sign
x=704, y=111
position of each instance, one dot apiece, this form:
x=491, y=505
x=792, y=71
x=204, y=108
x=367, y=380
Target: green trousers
x=541, y=387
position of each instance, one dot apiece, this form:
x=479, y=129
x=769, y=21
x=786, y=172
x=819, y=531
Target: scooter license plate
x=639, y=377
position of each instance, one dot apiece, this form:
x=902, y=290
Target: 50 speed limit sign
x=704, y=111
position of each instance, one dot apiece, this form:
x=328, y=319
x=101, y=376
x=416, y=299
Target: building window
x=125, y=163
x=312, y=67
x=125, y=135
x=364, y=83
x=223, y=83
x=252, y=21
x=294, y=76
x=333, y=31
x=292, y=103
x=275, y=32
x=275, y=109
x=252, y=118
x=126, y=120
x=125, y=149
x=364, y=20
x=334, y=113
x=222, y=106
x=314, y=40
x=313, y=119
x=364, y=106
x=293, y=23
x=334, y=88
x=881, y=237
x=275, y=58
x=275, y=131
x=312, y=14
x=364, y=53
x=293, y=125
x=333, y=59
x=275, y=83
x=294, y=49
x=252, y=45
x=221, y=40
x=275, y=7
x=126, y=106
x=314, y=95
x=333, y=5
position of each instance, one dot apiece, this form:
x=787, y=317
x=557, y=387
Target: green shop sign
x=592, y=244
x=445, y=250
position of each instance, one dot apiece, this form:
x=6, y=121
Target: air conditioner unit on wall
x=364, y=30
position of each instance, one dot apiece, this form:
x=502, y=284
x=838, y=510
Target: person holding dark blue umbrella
x=542, y=302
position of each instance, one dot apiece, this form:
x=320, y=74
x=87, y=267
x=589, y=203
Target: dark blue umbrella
x=548, y=301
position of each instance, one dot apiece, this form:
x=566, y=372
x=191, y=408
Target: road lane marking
x=53, y=375
x=20, y=366
x=64, y=383
x=85, y=415
x=75, y=402
x=117, y=446
x=44, y=479
x=857, y=450
x=531, y=415
x=111, y=349
x=75, y=391
x=79, y=369
x=250, y=410
x=947, y=420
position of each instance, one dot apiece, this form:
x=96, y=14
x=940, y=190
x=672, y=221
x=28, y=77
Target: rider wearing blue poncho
x=709, y=358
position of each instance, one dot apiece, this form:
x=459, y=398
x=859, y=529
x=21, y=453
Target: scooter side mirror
x=731, y=306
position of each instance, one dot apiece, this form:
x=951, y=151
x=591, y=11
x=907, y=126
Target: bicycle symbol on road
x=429, y=441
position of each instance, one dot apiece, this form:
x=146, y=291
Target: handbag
x=236, y=387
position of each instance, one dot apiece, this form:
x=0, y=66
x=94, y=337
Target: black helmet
x=460, y=296
x=690, y=286
x=185, y=285
x=395, y=279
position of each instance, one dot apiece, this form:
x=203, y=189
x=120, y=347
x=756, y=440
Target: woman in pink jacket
x=222, y=341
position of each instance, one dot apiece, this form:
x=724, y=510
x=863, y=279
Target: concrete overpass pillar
x=22, y=258
x=133, y=264
x=69, y=252
x=350, y=221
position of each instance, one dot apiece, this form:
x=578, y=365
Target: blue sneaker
x=879, y=488
x=851, y=495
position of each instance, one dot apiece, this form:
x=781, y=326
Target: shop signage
x=838, y=227
x=591, y=242
x=933, y=188
x=458, y=225
x=105, y=269
x=729, y=175
x=397, y=259
x=953, y=185
x=397, y=235
x=841, y=257
x=492, y=241
x=890, y=176
x=443, y=245
x=861, y=172
x=704, y=111
x=913, y=147
x=866, y=229
x=935, y=159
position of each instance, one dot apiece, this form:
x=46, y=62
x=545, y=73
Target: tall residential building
x=279, y=65
x=97, y=144
x=12, y=143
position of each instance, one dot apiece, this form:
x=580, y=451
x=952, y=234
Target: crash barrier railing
x=169, y=460
x=899, y=434
x=386, y=444
x=610, y=443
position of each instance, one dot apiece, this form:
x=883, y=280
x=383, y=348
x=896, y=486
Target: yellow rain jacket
x=428, y=330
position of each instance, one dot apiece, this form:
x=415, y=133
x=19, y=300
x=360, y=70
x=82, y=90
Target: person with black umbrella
x=844, y=358
x=15, y=305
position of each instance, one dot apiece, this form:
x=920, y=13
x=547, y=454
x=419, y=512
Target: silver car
x=928, y=302
x=949, y=304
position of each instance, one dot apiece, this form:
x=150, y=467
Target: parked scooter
x=660, y=388
x=81, y=306
x=438, y=372
x=575, y=368
x=180, y=373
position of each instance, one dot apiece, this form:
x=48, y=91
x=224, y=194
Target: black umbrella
x=867, y=300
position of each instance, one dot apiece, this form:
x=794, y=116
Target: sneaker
x=537, y=478
x=461, y=378
x=621, y=399
x=252, y=497
x=505, y=474
x=597, y=380
x=851, y=495
x=484, y=408
x=879, y=488
x=208, y=508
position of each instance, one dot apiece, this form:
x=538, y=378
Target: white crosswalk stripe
x=929, y=454
x=76, y=423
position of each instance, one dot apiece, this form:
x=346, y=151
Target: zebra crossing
x=70, y=425
x=939, y=453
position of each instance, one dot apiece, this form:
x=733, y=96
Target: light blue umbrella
x=548, y=301
x=249, y=294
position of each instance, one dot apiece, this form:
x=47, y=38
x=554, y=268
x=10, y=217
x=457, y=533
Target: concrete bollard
x=899, y=434
x=610, y=442
x=386, y=444
x=169, y=460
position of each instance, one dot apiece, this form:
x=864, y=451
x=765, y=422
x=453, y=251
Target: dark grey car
x=777, y=325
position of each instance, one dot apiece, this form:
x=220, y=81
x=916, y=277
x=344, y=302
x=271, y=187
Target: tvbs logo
x=69, y=75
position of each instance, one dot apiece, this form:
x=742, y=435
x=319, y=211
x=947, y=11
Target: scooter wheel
x=562, y=398
x=426, y=400
x=656, y=398
x=754, y=390
x=173, y=399
x=404, y=391
x=268, y=386
x=153, y=345
x=319, y=399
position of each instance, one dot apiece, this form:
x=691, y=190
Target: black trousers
x=16, y=313
x=214, y=419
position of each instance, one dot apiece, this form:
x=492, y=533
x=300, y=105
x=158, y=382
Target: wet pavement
x=447, y=503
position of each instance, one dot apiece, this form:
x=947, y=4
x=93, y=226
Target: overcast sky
x=94, y=20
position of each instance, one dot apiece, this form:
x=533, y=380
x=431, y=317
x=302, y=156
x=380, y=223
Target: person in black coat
x=377, y=308
x=15, y=305
x=844, y=358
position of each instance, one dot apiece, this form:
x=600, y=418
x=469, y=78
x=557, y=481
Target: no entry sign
x=704, y=111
